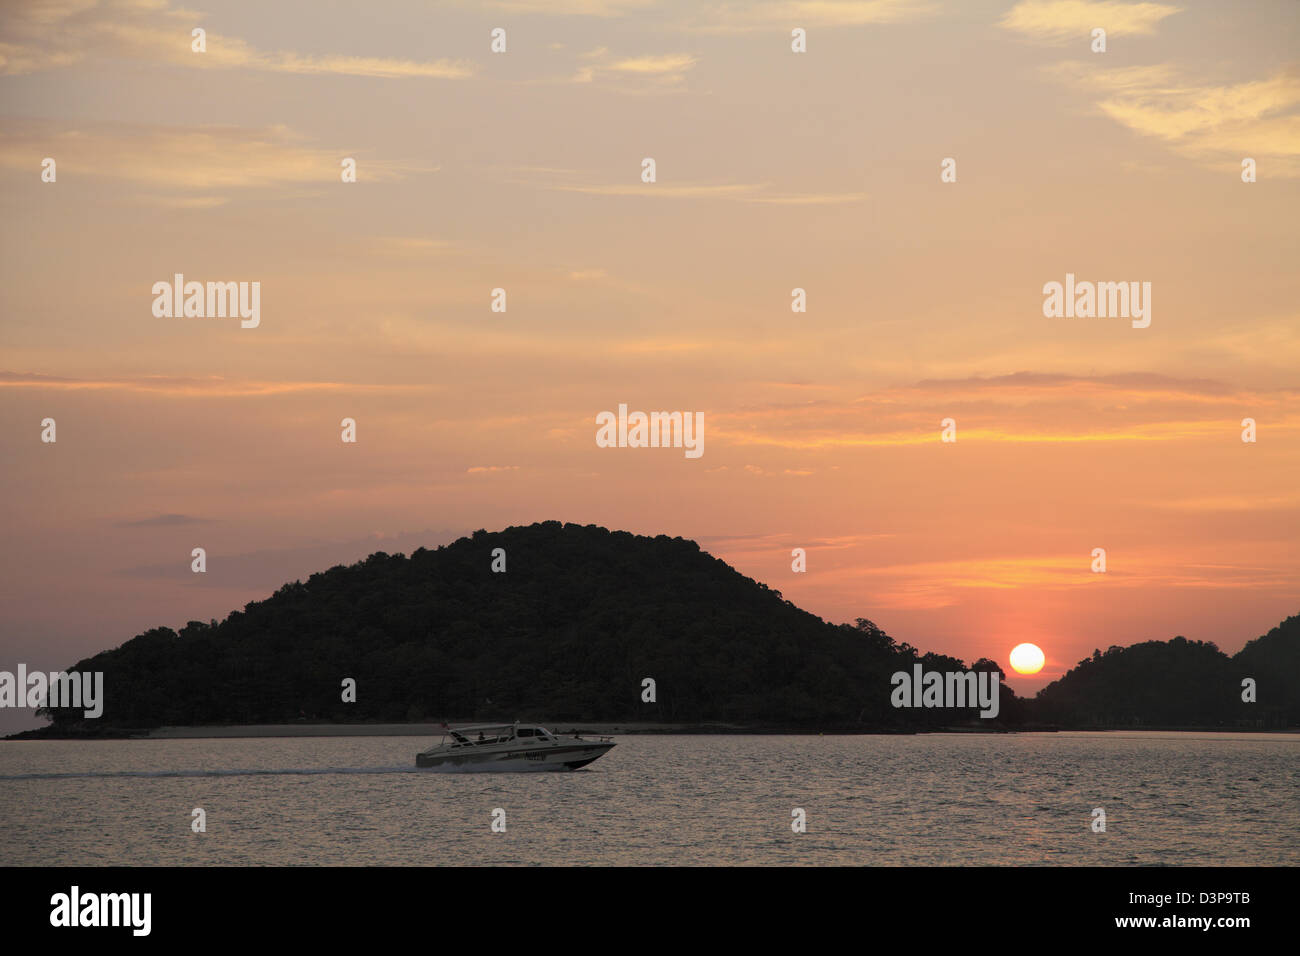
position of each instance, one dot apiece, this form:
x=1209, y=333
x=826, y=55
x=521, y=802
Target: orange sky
x=775, y=170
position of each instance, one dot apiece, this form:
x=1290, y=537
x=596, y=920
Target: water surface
x=960, y=799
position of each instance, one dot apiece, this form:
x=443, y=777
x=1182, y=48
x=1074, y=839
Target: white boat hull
x=568, y=755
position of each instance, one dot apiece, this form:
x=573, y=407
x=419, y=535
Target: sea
x=1166, y=799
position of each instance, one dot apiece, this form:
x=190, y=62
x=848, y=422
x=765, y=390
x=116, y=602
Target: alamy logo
x=57, y=689
x=946, y=689
x=1087, y=300
x=656, y=430
x=103, y=909
x=212, y=300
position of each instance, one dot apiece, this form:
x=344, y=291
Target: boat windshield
x=477, y=736
x=539, y=732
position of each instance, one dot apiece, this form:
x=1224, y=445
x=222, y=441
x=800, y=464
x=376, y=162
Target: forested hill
x=1181, y=683
x=580, y=617
x=576, y=622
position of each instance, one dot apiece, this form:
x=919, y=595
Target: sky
x=774, y=170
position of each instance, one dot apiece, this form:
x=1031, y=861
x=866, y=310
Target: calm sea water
x=1170, y=799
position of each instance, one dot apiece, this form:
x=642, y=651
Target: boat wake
x=252, y=772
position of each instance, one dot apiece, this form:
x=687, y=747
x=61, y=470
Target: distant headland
x=567, y=623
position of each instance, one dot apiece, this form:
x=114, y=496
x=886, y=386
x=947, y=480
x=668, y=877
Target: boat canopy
x=496, y=733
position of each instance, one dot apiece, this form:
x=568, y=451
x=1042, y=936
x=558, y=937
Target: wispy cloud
x=415, y=246
x=809, y=199
x=759, y=544
x=1014, y=409
x=654, y=65
x=1062, y=21
x=572, y=8
x=762, y=472
x=644, y=73
x=164, y=521
x=931, y=583
x=52, y=34
x=187, y=157
x=209, y=387
x=183, y=202
x=665, y=190
x=1214, y=123
x=733, y=16
x=736, y=17
x=1232, y=503
x=763, y=193
x=269, y=568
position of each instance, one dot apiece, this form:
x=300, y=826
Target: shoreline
x=404, y=730
x=622, y=728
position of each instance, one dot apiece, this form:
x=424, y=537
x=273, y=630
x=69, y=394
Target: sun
x=1027, y=659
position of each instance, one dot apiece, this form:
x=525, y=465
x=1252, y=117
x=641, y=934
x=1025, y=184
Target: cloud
x=1063, y=21
x=572, y=8
x=780, y=542
x=733, y=16
x=662, y=346
x=485, y=469
x=163, y=521
x=53, y=34
x=563, y=181
x=1268, y=341
x=675, y=191
x=415, y=246
x=809, y=199
x=768, y=473
x=1231, y=503
x=268, y=569
x=922, y=584
x=186, y=157
x=668, y=63
x=736, y=17
x=1131, y=386
x=209, y=387
x=1216, y=124
x=183, y=202
x=1023, y=408
x=647, y=73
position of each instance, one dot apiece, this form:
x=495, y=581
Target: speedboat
x=511, y=747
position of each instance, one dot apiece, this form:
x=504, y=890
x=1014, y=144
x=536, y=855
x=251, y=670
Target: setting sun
x=1027, y=659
